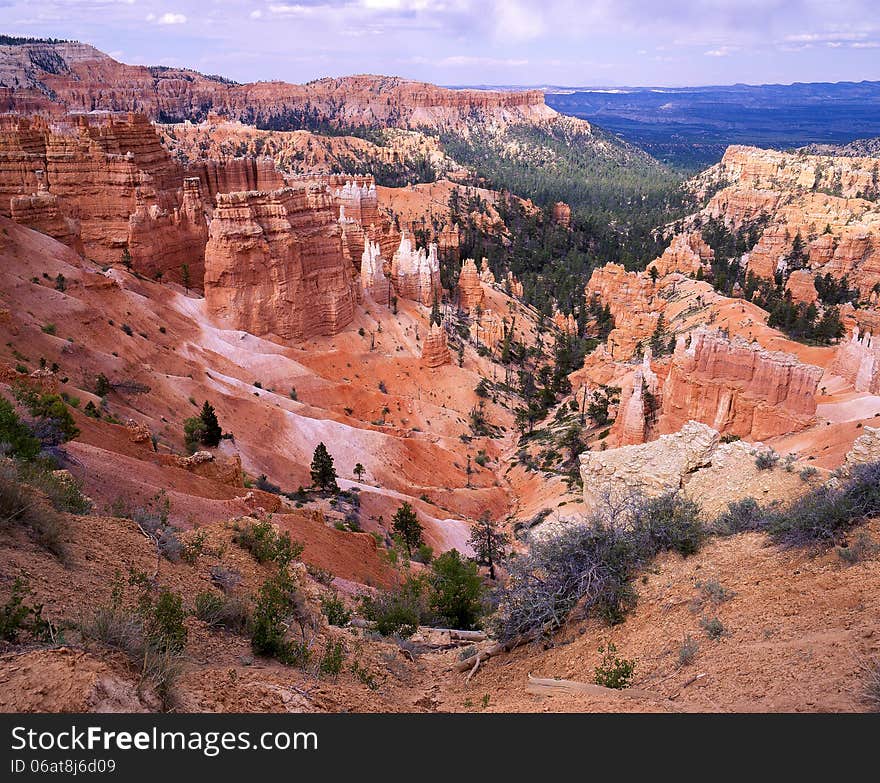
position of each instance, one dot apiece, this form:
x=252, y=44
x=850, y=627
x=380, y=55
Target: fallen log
x=549, y=686
x=482, y=655
x=455, y=634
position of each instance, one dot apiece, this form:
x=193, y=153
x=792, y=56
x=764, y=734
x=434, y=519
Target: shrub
x=688, y=650
x=266, y=544
x=456, y=590
x=592, y=564
x=808, y=473
x=17, y=617
x=614, y=672
x=62, y=490
x=713, y=628
x=55, y=420
x=332, y=659
x=102, y=385
x=714, y=591
x=741, y=516
x=766, y=460
x=163, y=619
x=669, y=522
x=16, y=438
x=278, y=601
x=220, y=611
x=399, y=610
x=863, y=548
x=334, y=609
x=424, y=554
x=21, y=505
x=824, y=514
x=227, y=579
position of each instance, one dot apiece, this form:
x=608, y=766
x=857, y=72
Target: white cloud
x=721, y=51
x=170, y=18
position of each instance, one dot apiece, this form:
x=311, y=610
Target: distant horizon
x=627, y=43
x=487, y=86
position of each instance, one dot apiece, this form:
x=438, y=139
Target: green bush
x=614, y=672
x=17, y=617
x=22, y=505
x=713, y=627
x=334, y=609
x=456, y=590
x=266, y=544
x=332, y=659
x=397, y=611
x=16, y=438
x=220, y=611
x=277, y=602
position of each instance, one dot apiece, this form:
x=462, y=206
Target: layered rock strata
x=435, y=349
x=275, y=263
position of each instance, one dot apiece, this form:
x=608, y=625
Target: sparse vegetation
x=614, y=671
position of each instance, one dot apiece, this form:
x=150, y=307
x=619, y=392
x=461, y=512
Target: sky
x=474, y=42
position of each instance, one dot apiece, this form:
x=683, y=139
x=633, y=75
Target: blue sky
x=563, y=42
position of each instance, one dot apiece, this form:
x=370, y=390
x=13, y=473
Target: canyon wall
x=858, y=360
x=737, y=387
x=275, y=263
x=830, y=201
x=57, y=78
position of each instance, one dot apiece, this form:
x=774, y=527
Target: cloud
x=171, y=18
x=722, y=51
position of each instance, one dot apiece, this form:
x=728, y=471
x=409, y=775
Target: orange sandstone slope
x=365, y=392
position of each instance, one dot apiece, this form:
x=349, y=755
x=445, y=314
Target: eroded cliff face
x=687, y=254
x=101, y=185
x=634, y=304
x=56, y=78
x=737, y=387
x=275, y=263
x=415, y=272
x=858, y=361
x=830, y=202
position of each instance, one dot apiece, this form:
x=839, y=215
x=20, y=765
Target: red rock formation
x=801, y=287
x=825, y=199
x=275, y=264
x=565, y=323
x=858, y=360
x=80, y=75
x=160, y=238
x=561, y=214
x=110, y=176
x=687, y=254
x=486, y=274
x=634, y=305
x=513, y=286
x=416, y=273
x=42, y=211
x=637, y=408
x=435, y=350
x=470, y=286
x=737, y=387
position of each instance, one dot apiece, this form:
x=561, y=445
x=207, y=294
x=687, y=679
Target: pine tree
x=126, y=258
x=435, y=311
x=323, y=472
x=184, y=276
x=407, y=528
x=359, y=471
x=211, y=432
x=489, y=544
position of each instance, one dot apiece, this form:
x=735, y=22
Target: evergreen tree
x=436, y=318
x=211, y=432
x=126, y=258
x=359, y=471
x=407, y=528
x=456, y=590
x=184, y=276
x=323, y=472
x=489, y=544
